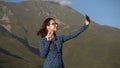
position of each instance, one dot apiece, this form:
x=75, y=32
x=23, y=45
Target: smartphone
x=87, y=17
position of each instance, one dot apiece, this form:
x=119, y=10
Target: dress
x=51, y=51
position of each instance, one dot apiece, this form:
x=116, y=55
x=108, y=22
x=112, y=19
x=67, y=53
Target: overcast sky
x=104, y=12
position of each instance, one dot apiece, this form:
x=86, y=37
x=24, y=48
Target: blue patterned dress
x=51, y=51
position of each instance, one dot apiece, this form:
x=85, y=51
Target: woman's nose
x=56, y=25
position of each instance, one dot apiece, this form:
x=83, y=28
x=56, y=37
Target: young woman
x=51, y=44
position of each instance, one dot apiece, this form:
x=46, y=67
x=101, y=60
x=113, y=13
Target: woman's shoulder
x=42, y=39
x=60, y=37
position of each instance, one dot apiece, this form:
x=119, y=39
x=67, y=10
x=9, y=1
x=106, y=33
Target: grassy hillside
x=97, y=47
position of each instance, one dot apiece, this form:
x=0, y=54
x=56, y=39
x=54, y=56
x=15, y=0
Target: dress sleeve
x=74, y=34
x=44, y=48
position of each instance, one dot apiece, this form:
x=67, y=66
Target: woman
x=51, y=44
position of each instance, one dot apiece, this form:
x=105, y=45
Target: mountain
x=97, y=47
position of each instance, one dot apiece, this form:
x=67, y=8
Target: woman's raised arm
x=79, y=31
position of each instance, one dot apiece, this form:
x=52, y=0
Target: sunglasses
x=54, y=24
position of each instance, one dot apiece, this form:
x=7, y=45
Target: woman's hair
x=43, y=30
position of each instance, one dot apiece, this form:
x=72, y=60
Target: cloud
x=61, y=2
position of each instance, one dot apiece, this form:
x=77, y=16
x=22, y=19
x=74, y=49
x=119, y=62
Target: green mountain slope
x=97, y=47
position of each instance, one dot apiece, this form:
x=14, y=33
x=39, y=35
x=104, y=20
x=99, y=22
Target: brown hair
x=43, y=30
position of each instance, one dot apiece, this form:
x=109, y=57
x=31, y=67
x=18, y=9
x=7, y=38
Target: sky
x=104, y=12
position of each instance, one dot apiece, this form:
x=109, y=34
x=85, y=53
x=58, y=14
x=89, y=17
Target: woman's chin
x=55, y=30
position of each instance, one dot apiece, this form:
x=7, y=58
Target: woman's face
x=53, y=26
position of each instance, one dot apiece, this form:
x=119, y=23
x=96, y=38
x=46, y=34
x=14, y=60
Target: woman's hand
x=50, y=36
x=87, y=20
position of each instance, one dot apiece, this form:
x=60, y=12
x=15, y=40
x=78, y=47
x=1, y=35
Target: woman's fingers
x=87, y=22
x=50, y=36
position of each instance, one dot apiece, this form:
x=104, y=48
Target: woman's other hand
x=87, y=20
